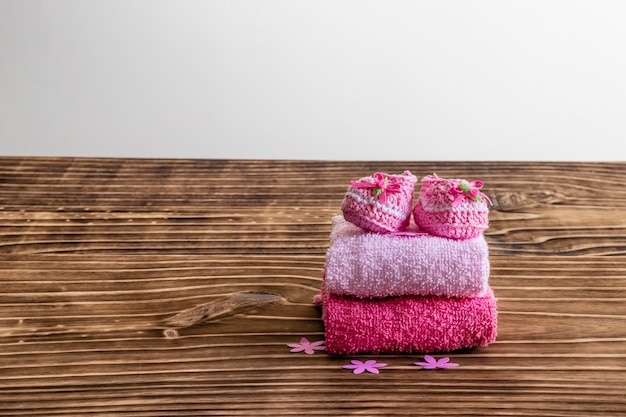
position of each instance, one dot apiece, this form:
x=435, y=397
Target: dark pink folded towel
x=407, y=324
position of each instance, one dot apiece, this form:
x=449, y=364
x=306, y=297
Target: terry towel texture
x=365, y=264
x=407, y=324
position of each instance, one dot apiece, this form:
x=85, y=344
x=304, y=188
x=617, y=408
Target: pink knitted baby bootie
x=452, y=208
x=380, y=203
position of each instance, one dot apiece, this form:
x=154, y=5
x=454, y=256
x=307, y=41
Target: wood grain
x=126, y=284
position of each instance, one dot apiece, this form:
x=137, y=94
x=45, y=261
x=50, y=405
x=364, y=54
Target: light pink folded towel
x=407, y=324
x=365, y=264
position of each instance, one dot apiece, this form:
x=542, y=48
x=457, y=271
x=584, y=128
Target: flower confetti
x=307, y=347
x=358, y=367
x=432, y=363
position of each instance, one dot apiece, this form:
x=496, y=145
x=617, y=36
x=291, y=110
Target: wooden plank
x=100, y=257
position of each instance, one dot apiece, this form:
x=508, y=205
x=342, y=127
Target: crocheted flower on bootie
x=380, y=203
x=452, y=208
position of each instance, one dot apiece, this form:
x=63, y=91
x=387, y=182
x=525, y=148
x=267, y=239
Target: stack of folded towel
x=396, y=283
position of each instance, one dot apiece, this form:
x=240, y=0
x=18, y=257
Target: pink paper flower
x=306, y=346
x=359, y=367
x=432, y=363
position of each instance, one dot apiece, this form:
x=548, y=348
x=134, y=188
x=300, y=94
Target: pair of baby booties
x=382, y=203
x=395, y=286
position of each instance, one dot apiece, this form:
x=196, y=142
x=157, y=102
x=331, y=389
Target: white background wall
x=314, y=79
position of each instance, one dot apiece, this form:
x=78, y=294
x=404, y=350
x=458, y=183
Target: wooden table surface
x=128, y=289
